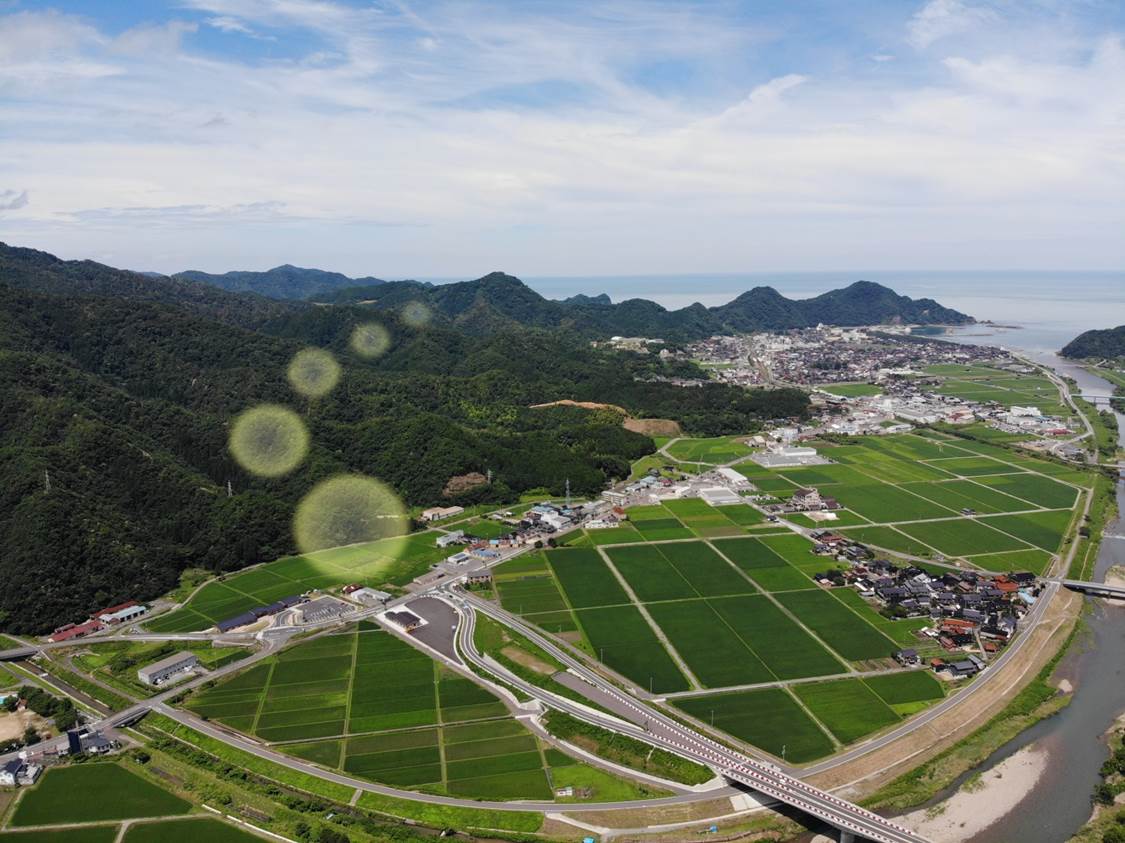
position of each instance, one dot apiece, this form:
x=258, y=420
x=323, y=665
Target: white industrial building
x=162, y=671
x=733, y=478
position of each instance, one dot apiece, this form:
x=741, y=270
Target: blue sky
x=565, y=138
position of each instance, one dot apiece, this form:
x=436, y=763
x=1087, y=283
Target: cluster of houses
x=969, y=609
x=103, y=619
x=22, y=772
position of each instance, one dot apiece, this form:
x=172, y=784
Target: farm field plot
x=847, y=707
x=585, y=578
x=1040, y=490
x=715, y=654
x=890, y=539
x=1045, y=530
x=906, y=692
x=663, y=529
x=707, y=572
x=188, y=831
x=769, y=719
x=962, y=494
x=961, y=537
x=530, y=594
x=92, y=793
x=390, y=561
x=882, y=503
x=649, y=574
x=851, y=390
x=782, y=645
x=409, y=722
x=1033, y=560
x=716, y=451
x=768, y=570
x=837, y=625
x=794, y=549
x=968, y=466
x=626, y=643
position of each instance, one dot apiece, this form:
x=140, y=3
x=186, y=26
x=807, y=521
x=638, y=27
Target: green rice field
x=93, y=793
x=387, y=562
x=368, y=703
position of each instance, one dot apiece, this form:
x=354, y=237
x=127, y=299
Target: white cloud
x=12, y=200
x=939, y=19
x=364, y=154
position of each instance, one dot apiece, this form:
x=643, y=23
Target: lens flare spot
x=314, y=372
x=370, y=340
x=416, y=315
x=348, y=509
x=269, y=440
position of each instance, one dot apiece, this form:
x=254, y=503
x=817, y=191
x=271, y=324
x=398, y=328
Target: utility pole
x=47, y=481
x=489, y=474
x=230, y=490
x=568, y=493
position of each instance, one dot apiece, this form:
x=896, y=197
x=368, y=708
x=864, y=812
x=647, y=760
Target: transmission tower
x=568, y=493
x=47, y=481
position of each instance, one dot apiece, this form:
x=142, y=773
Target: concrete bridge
x=1097, y=589
x=16, y=654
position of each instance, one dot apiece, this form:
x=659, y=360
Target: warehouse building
x=162, y=671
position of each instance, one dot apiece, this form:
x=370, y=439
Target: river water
x=1059, y=804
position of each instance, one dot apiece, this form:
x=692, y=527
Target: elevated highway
x=637, y=720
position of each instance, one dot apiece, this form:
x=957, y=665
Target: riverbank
x=994, y=725
x=983, y=799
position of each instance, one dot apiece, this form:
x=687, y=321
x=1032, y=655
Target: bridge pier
x=847, y=836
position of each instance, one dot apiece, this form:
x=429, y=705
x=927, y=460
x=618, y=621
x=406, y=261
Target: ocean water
x=1050, y=308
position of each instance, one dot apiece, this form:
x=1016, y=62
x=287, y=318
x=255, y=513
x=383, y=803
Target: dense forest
x=1107, y=343
x=117, y=392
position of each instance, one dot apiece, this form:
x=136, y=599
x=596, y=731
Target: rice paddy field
x=678, y=615
x=90, y=793
x=938, y=495
x=811, y=720
x=368, y=703
x=387, y=562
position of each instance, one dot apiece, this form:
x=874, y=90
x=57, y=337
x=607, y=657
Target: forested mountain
x=281, y=282
x=1108, y=342
x=497, y=301
x=117, y=391
x=30, y=269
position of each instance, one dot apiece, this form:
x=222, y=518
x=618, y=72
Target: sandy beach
x=971, y=810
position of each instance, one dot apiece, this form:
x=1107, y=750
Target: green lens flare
x=348, y=509
x=314, y=372
x=370, y=340
x=269, y=440
x=416, y=315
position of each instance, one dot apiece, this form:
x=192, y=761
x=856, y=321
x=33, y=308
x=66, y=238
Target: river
x=1059, y=804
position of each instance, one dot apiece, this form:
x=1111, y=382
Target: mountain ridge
x=285, y=281
x=498, y=298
